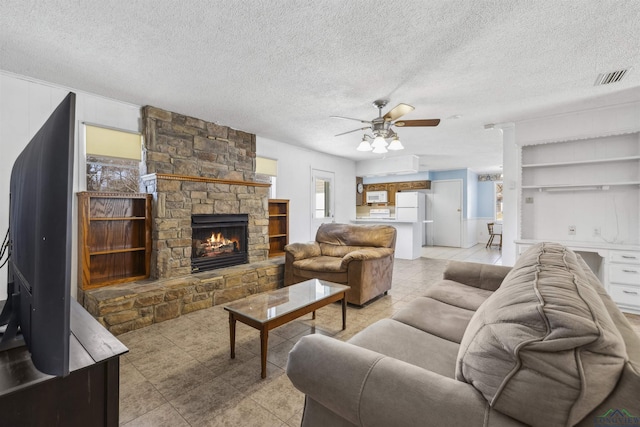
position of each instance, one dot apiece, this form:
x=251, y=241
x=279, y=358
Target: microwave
x=376, y=197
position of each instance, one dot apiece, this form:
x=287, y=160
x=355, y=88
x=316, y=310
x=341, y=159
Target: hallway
x=477, y=253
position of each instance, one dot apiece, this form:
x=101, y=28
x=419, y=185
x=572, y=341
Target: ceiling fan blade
x=355, y=130
x=397, y=112
x=349, y=118
x=424, y=122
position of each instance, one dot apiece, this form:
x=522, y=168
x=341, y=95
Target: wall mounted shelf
x=579, y=187
x=585, y=190
x=582, y=162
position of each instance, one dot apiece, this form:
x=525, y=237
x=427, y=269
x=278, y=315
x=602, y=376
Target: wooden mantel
x=173, y=177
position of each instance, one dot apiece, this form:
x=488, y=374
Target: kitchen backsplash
x=363, y=211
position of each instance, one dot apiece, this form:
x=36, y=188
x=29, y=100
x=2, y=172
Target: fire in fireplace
x=218, y=240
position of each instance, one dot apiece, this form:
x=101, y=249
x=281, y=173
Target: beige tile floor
x=178, y=373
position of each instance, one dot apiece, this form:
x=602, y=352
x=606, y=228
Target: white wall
x=470, y=222
x=294, y=183
x=510, y=193
x=25, y=104
x=469, y=232
x=584, y=124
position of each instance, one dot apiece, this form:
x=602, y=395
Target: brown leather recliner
x=360, y=256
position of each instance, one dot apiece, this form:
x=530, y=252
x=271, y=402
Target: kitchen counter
x=371, y=219
x=408, y=238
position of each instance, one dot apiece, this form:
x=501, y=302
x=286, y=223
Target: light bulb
x=396, y=144
x=379, y=142
x=380, y=150
x=364, y=146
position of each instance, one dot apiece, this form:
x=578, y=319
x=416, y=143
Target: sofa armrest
x=368, y=388
x=303, y=250
x=483, y=276
x=366, y=254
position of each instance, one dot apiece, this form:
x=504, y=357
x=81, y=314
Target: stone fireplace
x=199, y=168
x=194, y=170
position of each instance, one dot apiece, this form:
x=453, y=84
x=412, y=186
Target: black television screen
x=41, y=192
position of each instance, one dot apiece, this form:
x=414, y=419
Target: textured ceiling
x=279, y=69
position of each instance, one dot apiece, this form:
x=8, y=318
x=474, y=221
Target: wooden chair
x=493, y=234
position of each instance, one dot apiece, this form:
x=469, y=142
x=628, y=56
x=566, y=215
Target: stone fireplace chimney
x=197, y=167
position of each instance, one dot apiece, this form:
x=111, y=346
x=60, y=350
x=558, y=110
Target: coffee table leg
x=344, y=311
x=313, y=316
x=232, y=334
x=264, y=336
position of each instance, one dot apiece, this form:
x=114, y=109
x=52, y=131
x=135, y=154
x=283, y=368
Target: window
x=269, y=167
x=498, y=198
x=113, y=160
x=111, y=174
x=322, y=200
x=322, y=194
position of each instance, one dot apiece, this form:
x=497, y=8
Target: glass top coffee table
x=271, y=309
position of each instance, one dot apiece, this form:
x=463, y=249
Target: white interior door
x=322, y=199
x=447, y=213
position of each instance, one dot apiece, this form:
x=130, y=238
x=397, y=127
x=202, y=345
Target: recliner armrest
x=368, y=388
x=303, y=250
x=483, y=276
x=366, y=254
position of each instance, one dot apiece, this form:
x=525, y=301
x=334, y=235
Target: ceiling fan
x=381, y=129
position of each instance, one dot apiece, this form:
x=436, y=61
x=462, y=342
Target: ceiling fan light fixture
x=380, y=150
x=379, y=141
x=364, y=145
x=395, y=144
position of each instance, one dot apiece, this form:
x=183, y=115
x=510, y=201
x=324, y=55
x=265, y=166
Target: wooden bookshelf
x=278, y=226
x=114, y=238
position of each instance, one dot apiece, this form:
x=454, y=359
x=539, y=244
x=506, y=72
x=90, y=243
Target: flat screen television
x=39, y=264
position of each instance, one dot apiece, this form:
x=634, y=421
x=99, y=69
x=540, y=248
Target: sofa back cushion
x=328, y=249
x=543, y=348
x=379, y=236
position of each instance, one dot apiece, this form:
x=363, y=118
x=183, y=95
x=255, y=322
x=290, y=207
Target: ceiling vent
x=612, y=77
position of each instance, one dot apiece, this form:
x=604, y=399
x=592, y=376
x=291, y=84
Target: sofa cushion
x=320, y=263
x=483, y=276
x=324, y=268
x=381, y=236
x=338, y=250
x=458, y=295
x=543, y=349
x=403, y=342
x=435, y=317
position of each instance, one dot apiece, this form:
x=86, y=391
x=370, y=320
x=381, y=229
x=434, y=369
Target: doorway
x=322, y=199
x=447, y=213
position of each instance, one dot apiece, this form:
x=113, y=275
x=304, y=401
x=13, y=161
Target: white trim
x=63, y=87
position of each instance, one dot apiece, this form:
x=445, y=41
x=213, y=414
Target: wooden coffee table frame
x=265, y=327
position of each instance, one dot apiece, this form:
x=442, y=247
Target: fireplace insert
x=218, y=240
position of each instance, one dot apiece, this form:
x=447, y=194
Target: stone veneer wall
x=129, y=306
x=197, y=167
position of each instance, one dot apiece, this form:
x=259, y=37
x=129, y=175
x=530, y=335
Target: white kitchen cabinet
x=624, y=279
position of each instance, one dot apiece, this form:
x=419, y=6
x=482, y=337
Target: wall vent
x=612, y=77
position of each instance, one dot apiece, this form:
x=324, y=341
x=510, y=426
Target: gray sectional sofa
x=538, y=344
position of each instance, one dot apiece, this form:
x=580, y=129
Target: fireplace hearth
x=218, y=240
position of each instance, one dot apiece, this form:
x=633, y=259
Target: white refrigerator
x=410, y=206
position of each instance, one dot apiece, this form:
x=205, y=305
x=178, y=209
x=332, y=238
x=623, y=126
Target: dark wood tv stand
x=88, y=396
